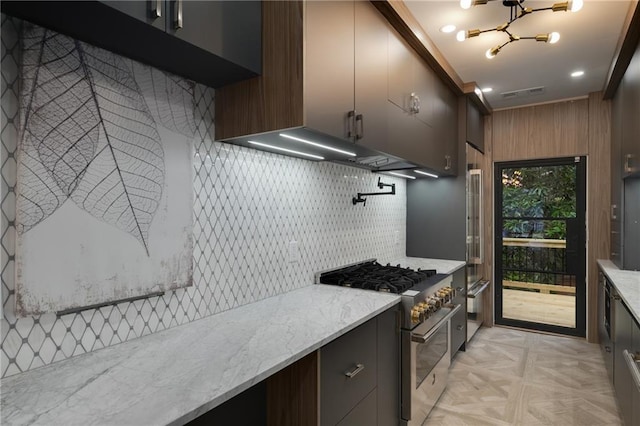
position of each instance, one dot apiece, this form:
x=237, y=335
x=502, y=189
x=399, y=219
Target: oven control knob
x=415, y=315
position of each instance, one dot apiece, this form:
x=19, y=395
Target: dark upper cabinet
x=345, y=71
x=151, y=12
x=422, y=110
x=625, y=169
x=219, y=42
x=630, y=94
x=474, y=126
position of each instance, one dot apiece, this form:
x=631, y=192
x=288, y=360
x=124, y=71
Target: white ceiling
x=588, y=40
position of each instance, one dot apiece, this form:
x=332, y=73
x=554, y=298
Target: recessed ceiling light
x=487, y=89
x=577, y=74
x=448, y=28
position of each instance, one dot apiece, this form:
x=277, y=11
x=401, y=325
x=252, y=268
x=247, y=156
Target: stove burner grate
x=374, y=276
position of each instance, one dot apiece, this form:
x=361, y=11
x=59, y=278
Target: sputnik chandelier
x=517, y=11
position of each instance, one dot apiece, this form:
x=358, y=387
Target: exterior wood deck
x=555, y=309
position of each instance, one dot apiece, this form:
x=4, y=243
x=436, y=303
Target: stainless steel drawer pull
x=632, y=363
x=477, y=289
x=179, y=14
x=351, y=374
x=156, y=9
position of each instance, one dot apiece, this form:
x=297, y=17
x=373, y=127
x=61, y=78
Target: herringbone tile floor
x=513, y=377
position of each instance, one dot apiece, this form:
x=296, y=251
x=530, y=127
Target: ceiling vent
x=523, y=92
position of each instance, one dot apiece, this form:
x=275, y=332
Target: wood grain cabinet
x=213, y=42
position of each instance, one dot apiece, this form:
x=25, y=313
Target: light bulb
x=554, y=37
x=461, y=35
x=491, y=53
x=465, y=4
x=575, y=5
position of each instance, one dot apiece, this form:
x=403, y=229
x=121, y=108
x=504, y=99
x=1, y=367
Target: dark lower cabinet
x=635, y=390
x=622, y=379
x=625, y=363
x=235, y=412
x=363, y=414
x=360, y=375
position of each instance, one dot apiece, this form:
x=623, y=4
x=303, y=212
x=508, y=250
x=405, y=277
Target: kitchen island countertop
x=627, y=283
x=175, y=375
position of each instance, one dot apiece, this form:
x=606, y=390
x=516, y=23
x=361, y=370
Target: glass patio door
x=540, y=250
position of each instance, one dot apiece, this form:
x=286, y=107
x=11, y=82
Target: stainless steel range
x=426, y=299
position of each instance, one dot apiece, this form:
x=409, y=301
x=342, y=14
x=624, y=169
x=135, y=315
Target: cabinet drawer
x=364, y=414
x=339, y=394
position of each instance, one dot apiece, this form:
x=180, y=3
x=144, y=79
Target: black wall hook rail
x=381, y=185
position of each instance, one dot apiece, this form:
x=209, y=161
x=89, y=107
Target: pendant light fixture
x=517, y=11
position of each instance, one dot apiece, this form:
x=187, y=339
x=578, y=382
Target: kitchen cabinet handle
x=359, y=133
x=460, y=327
x=414, y=103
x=632, y=363
x=476, y=291
x=350, y=118
x=628, y=163
x=447, y=165
x=351, y=374
x=156, y=8
x=178, y=14
x=614, y=215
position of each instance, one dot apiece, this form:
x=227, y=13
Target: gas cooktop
x=371, y=275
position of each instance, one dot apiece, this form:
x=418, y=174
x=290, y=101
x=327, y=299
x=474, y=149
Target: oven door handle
x=419, y=338
x=475, y=292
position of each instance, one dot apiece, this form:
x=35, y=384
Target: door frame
x=581, y=216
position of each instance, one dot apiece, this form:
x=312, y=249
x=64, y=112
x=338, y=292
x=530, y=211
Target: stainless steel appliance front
x=425, y=366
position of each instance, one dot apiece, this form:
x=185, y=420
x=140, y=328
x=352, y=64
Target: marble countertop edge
x=627, y=283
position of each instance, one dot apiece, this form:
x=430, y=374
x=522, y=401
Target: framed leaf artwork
x=105, y=176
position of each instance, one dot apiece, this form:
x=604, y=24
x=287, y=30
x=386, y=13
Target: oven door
x=425, y=366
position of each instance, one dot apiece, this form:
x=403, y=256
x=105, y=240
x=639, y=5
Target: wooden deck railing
x=534, y=242
x=536, y=264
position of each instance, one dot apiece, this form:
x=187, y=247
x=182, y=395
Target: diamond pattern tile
x=248, y=205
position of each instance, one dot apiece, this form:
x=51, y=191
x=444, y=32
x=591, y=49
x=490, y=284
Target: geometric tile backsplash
x=248, y=206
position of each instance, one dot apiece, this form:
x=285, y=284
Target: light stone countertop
x=627, y=283
x=175, y=375
x=440, y=265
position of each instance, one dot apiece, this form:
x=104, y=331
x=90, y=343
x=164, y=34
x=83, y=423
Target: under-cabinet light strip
x=319, y=145
x=277, y=148
x=401, y=175
x=426, y=174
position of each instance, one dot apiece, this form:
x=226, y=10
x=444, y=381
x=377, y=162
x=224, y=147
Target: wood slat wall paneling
x=542, y=131
x=273, y=100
